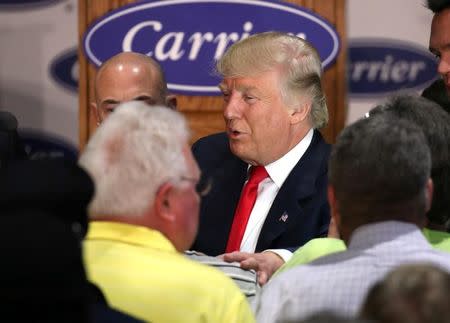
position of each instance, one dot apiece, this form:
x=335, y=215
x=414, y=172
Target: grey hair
x=135, y=151
x=295, y=57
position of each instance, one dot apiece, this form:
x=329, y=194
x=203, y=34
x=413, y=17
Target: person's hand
x=264, y=263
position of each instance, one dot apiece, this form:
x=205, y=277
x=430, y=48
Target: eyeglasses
x=202, y=186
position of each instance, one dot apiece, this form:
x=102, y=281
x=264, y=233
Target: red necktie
x=244, y=207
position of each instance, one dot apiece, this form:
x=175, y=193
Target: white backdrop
x=31, y=38
x=406, y=20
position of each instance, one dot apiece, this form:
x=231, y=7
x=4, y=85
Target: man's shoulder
x=217, y=141
x=313, y=250
x=325, y=268
x=315, y=158
x=438, y=257
x=310, y=172
x=342, y=260
x=329, y=261
x=213, y=152
x=438, y=239
x=191, y=277
x=320, y=146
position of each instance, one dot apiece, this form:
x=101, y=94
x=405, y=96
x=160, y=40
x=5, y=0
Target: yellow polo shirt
x=141, y=273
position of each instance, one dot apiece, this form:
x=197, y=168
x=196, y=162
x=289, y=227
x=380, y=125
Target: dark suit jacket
x=43, y=217
x=303, y=197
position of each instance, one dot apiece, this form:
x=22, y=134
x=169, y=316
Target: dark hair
x=11, y=146
x=42, y=222
x=437, y=92
x=410, y=294
x=379, y=168
x=437, y=5
x=435, y=124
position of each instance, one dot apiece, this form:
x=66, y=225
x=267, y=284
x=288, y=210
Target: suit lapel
x=227, y=183
x=230, y=181
x=286, y=208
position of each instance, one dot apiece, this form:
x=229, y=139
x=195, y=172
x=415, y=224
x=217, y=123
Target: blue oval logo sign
x=188, y=46
x=64, y=69
x=42, y=145
x=379, y=66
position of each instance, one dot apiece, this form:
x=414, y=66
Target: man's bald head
x=129, y=76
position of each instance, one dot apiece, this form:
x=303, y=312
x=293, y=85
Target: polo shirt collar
x=129, y=234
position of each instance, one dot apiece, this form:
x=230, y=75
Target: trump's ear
x=301, y=113
x=171, y=101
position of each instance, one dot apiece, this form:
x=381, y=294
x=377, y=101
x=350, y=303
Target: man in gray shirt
x=379, y=192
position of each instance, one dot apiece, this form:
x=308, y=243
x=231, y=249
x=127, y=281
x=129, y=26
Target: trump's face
x=258, y=121
x=440, y=44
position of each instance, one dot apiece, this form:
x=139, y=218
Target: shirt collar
x=280, y=169
x=129, y=234
x=378, y=233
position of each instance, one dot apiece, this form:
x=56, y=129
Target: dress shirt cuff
x=286, y=255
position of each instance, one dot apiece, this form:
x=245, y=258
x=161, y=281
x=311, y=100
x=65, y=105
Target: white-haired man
x=273, y=104
x=144, y=214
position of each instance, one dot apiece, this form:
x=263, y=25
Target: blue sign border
x=54, y=64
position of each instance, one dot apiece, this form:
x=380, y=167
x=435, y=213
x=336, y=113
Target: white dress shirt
x=267, y=191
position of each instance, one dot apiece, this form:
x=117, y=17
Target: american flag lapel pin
x=284, y=217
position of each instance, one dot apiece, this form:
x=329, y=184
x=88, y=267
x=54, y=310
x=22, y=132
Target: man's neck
x=133, y=220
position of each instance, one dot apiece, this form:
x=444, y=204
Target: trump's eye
x=226, y=96
x=249, y=98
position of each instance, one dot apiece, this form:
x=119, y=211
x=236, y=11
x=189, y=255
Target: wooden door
x=204, y=113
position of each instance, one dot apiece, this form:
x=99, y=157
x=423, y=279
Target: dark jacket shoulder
x=211, y=150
